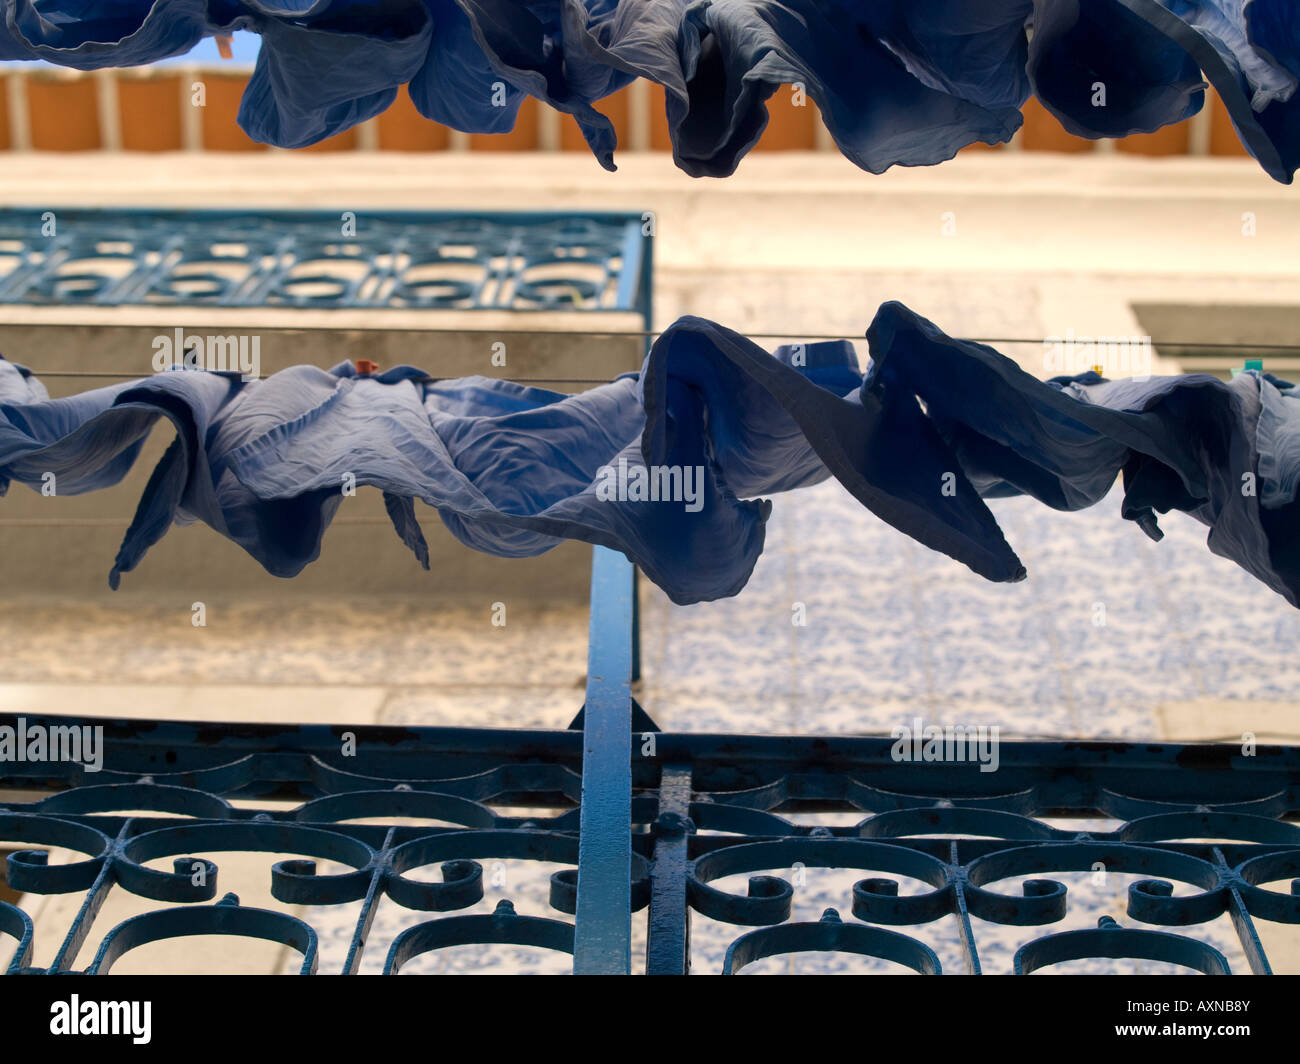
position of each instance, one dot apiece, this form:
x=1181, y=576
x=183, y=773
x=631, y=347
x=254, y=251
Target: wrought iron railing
x=648, y=821
x=443, y=260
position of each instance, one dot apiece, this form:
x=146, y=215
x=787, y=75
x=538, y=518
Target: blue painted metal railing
x=448, y=260
x=603, y=943
x=650, y=825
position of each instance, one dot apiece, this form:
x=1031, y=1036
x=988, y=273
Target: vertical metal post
x=668, y=944
x=636, y=274
x=636, y=624
x=648, y=288
x=603, y=931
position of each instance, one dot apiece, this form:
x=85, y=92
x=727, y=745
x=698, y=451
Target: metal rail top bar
x=217, y=742
x=271, y=213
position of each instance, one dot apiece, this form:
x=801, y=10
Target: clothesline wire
x=1182, y=344
x=428, y=380
x=646, y=334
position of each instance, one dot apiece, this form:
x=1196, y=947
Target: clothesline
x=650, y=334
x=110, y=375
x=671, y=465
x=132, y=373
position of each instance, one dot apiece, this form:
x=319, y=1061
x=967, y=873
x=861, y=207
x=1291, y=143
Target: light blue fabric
x=897, y=82
x=934, y=427
x=512, y=469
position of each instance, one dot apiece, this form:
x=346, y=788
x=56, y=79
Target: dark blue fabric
x=1082, y=49
x=457, y=85
x=1273, y=27
x=1258, y=91
x=898, y=82
x=1226, y=453
x=525, y=45
x=326, y=65
x=90, y=34
x=737, y=53
x=934, y=427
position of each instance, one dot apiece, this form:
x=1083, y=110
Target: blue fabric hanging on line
x=934, y=427
x=513, y=470
x=1228, y=454
x=897, y=82
x=1248, y=53
x=322, y=69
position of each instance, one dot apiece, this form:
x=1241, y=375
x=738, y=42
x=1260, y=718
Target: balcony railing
x=646, y=821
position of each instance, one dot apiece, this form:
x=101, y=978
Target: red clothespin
x=224, y=49
x=365, y=367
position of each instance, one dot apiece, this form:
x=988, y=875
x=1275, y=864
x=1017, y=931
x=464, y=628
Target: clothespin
x=1257, y=364
x=1097, y=370
x=365, y=367
x=223, y=48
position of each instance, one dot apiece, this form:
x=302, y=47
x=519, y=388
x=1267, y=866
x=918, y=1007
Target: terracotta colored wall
x=63, y=113
x=791, y=125
x=220, y=130
x=403, y=128
x=1223, y=137
x=1042, y=131
x=151, y=112
x=659, y=140
x=1172, y=140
